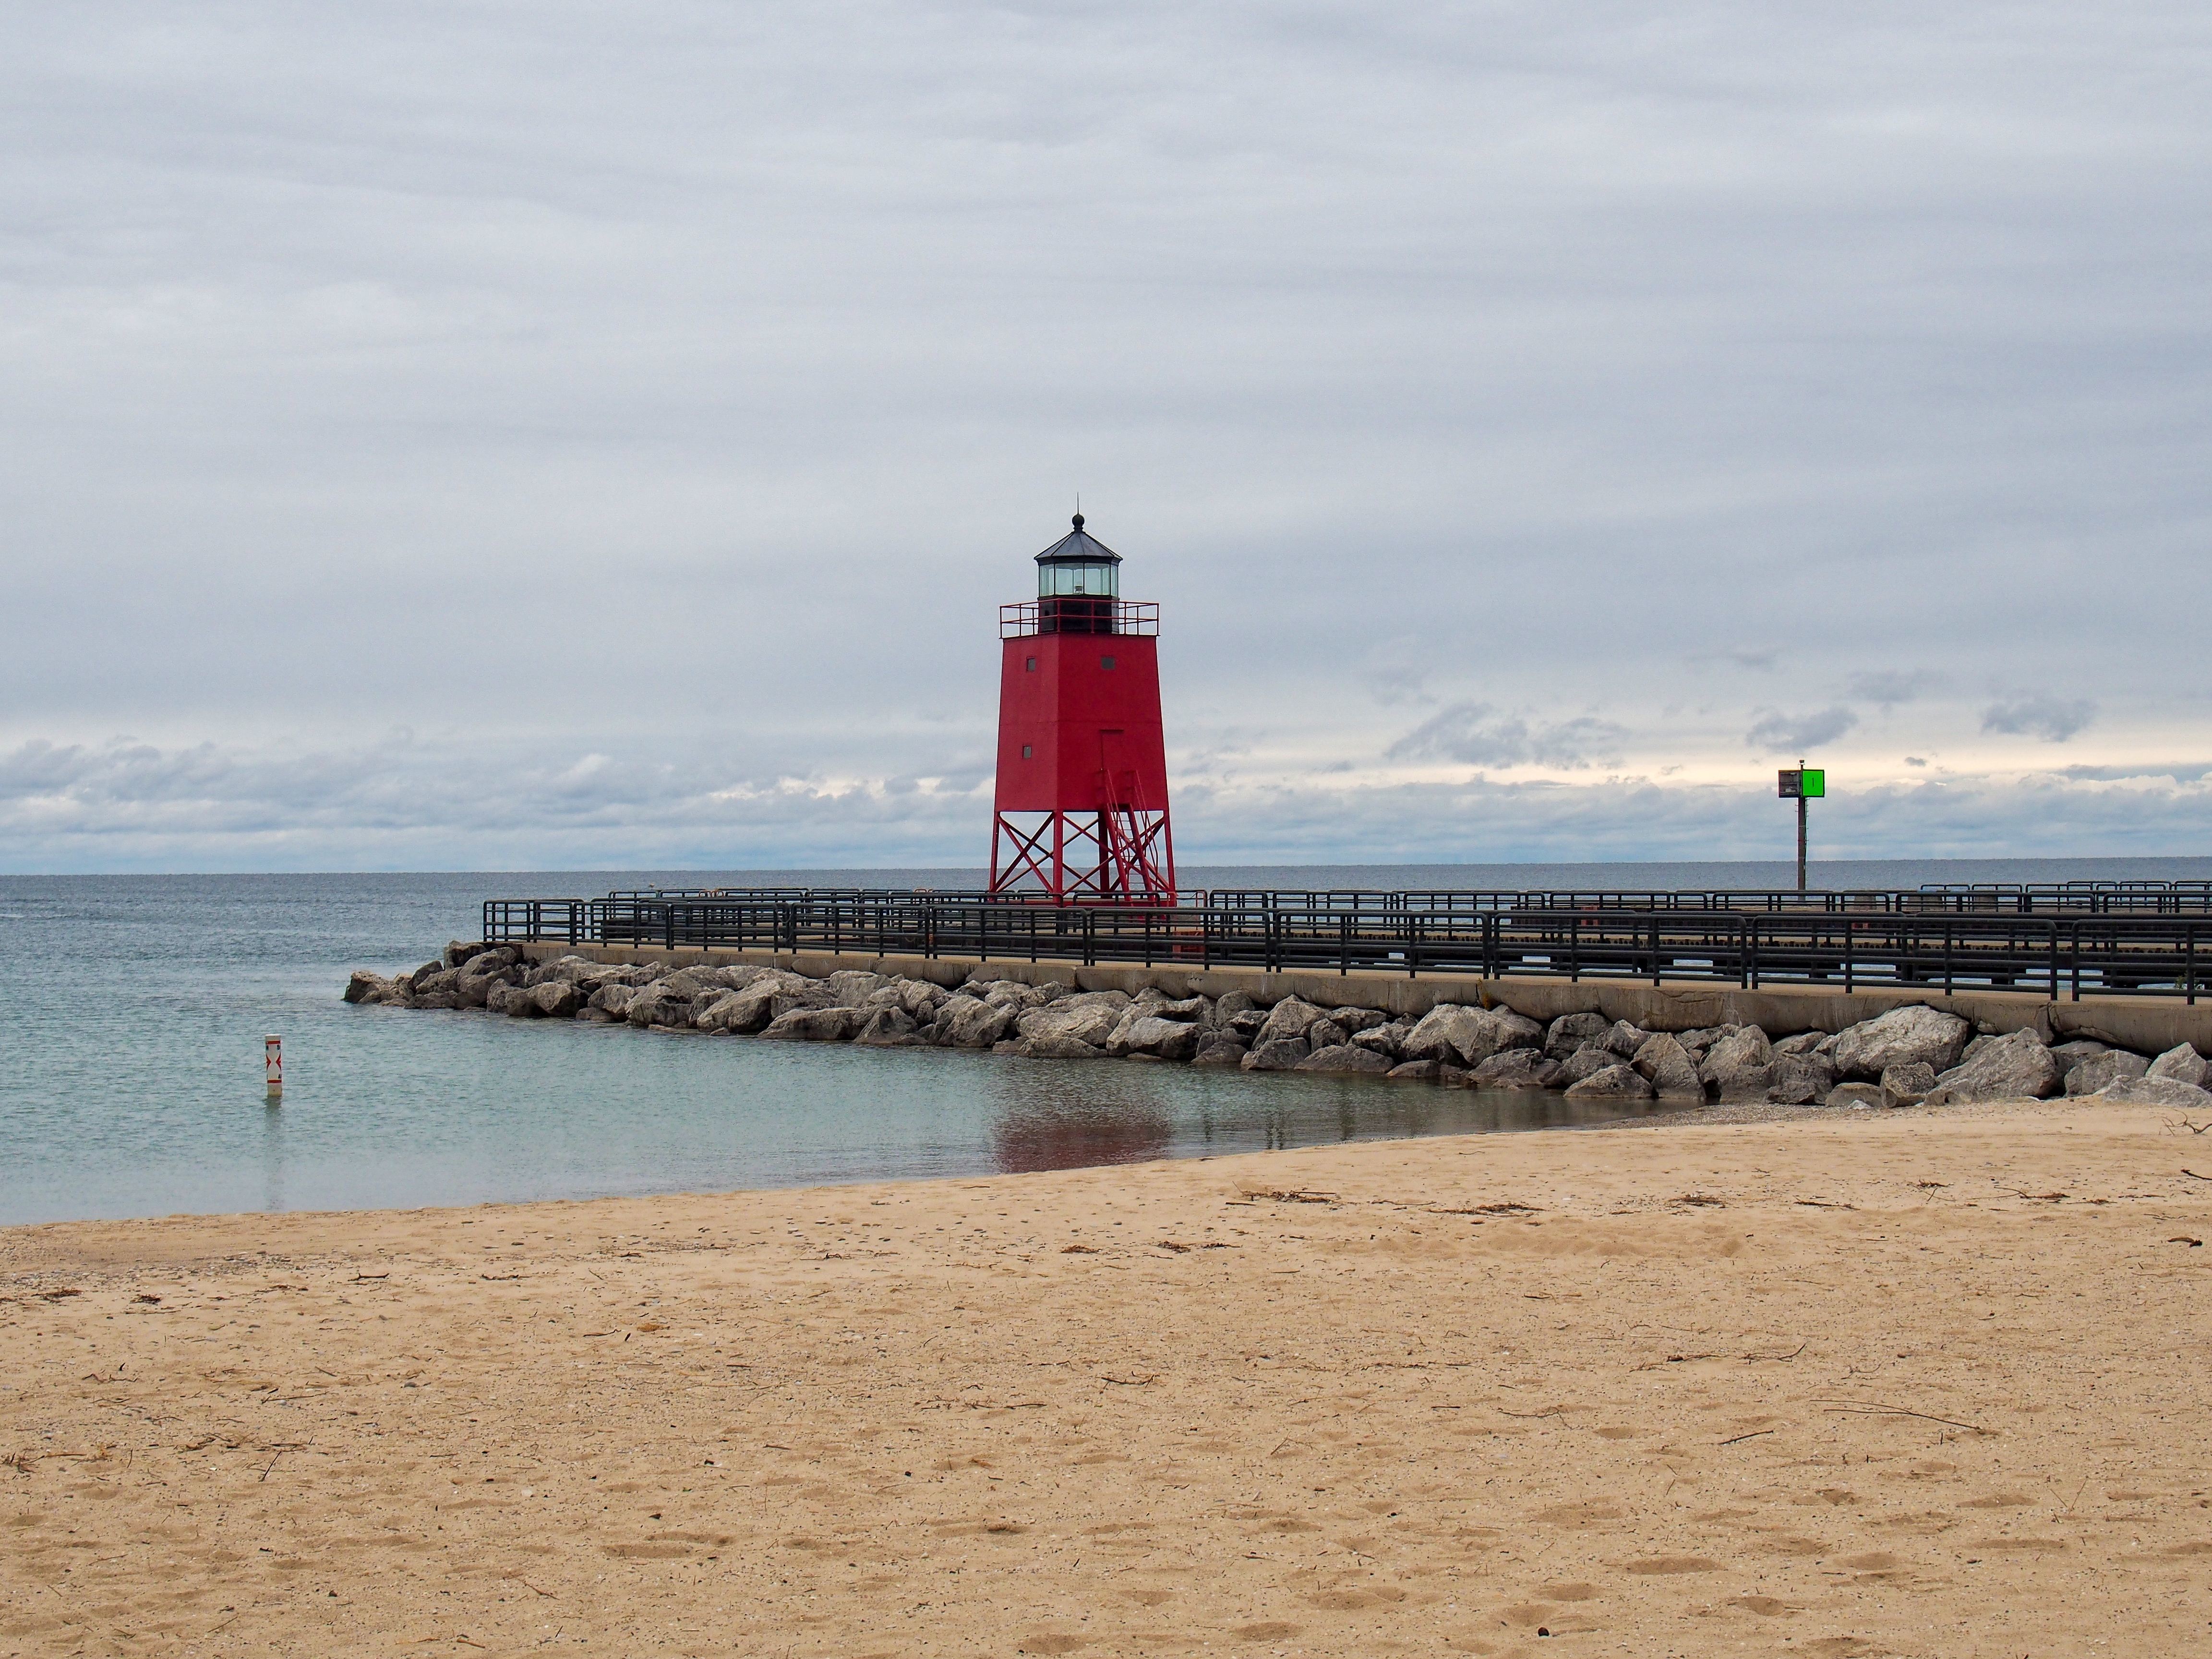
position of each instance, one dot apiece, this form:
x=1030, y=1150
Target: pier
x=2060, y=943
x=2117, y=962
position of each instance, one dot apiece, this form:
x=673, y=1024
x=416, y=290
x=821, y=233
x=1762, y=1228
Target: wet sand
x=1844, y=1384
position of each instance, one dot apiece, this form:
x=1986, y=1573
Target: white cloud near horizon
x=483, y=433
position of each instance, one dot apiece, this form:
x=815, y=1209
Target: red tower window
x=1086, y=821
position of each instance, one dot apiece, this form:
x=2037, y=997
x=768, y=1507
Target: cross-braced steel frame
x=1115, y=854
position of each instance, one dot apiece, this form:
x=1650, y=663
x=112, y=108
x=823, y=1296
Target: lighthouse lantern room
x=1081, y=815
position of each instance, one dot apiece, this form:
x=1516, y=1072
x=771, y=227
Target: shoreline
x=1667, y=1117
x=1907, y=1382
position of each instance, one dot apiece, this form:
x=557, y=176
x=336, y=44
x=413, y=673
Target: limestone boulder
x=2181, y=1063
x=1666, y=1065
x=365, y=987
x=1357, y=1020
x=1906, y=1084
x=1588, y=1061
x=1743, y=1050
x=557, y=999
x=1245, y=1023
x=1089, y=1018
x=1804, y=1042
x=887, y=1027
x=509, y=1000
x=1901, y=1037
x=1014, y=993
x=658, y=1004
x=1571, y=1031
x=2068, y=1056
x=849, y=987
x=1515, y=1030
x=1384, y=1039
x=1220, y=1048
x=1165, y=1039
x=613, y=999
x=1857, y=1096
x=1453, y=1033
x=1287, y=1019
x=496, y=960
x=2101, y=1072
x=1624, y=1039
x=769, y=995
x=921, y=999
x=2168, y=1091
x=1519, y=1068
x=438, y=982
x=1051, y=1048
x=1799, y=1080
x=1233, y=1002
x=1278, y=1054
x=969, y=1023
x=1343, y=1057
x=835, y=1023
x=1422, y=1071
x=1198, y=1010
x=1617, y=1082
x=2014, y=1066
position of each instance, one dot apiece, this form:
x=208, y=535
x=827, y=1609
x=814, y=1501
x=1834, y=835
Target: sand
x=1847, y=1384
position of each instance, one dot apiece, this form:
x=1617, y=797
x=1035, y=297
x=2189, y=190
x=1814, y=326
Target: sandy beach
x=1844, y=1384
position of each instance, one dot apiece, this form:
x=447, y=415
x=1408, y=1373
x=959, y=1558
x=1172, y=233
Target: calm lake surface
x=130, y=1069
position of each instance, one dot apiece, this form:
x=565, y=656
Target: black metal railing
x=2053, y=955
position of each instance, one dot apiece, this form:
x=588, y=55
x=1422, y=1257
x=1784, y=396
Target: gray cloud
x=418, y=805
x=1475, y=734
x=2054, y=719
x=1889, y=687
x=687, y=394
x=1780, y=733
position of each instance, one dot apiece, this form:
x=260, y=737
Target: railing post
x=2189, y=933
x=1343, y=944
x=1946, y=953
x=1849, y=933
x=1574, y=947
x=1654, y=949
x=1412, y=945
x=2054, y=962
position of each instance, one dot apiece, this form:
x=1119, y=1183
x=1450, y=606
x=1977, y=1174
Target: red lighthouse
x=1082, y=807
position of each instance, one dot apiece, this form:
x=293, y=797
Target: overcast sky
x=505, y=435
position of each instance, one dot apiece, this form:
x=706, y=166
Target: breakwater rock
x=1904, y=1057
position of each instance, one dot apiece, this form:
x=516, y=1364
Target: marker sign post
x=1806, y=783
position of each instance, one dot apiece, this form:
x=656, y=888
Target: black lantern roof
x=1079, y=546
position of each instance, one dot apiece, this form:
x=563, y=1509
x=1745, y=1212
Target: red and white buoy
x=273, y=1064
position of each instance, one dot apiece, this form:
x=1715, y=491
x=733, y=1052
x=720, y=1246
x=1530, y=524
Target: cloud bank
x=487, y=436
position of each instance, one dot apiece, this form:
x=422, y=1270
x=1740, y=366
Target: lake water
x=130, y=1063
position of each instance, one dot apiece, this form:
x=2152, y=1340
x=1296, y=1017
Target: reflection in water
x=1074, y=1134
x=273, y=1156
x=1063, y=1116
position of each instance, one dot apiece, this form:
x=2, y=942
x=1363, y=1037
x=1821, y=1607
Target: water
x=130, y=1062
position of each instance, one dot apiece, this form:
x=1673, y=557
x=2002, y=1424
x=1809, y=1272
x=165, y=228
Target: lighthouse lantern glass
x=1057, y=581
